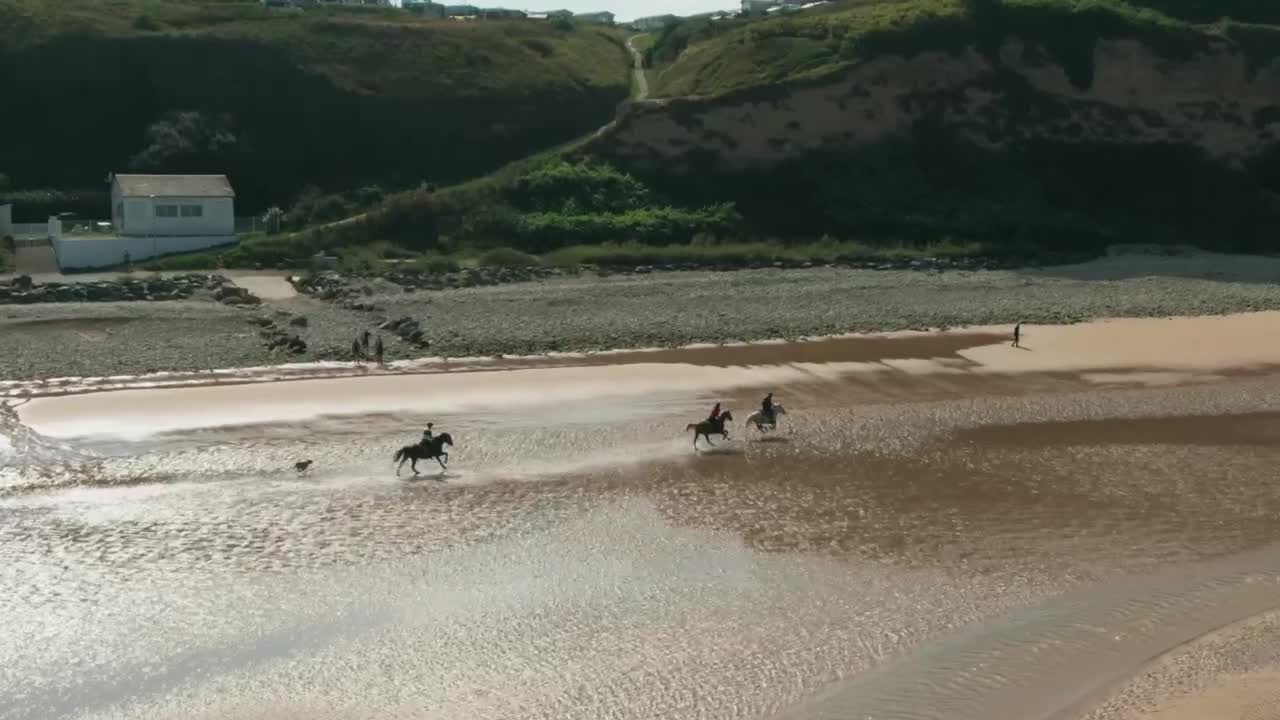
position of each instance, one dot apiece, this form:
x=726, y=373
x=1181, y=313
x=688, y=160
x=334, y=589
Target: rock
x=233, y=300
x=261, y=321
x=23, y=282
x=298, y=321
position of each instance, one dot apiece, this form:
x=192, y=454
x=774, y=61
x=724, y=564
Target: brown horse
x=707, y=428
x=433, y=450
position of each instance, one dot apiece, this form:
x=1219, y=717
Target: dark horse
x=434, y=450
x=707, y=428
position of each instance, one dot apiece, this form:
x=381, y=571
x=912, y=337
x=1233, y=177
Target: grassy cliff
x=285, y=100
x=1028, y=124
x=1028, y=128
x=703, y=58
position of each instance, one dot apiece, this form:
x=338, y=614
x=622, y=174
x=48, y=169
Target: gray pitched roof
x=175, y=185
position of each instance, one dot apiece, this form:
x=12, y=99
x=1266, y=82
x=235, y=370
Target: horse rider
x=715, y=414
x=766, y=407
x=427, y=435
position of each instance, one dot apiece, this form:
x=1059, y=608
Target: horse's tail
x=691, y=426
x=400, y=455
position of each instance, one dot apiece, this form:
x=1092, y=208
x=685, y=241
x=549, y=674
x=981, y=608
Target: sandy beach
x=943, y=527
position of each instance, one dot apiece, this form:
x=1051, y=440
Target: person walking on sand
x=1017, y=335
x=377, y=349
x=364, y=342
x=356, y=354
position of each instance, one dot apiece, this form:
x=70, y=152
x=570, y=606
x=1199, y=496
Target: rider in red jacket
x=715, y=413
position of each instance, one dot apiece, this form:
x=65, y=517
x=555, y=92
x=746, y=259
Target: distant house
x=553, y=14
x=502, y=14
x=461, y=10
x=424, y=8
x=153, y=215
x=654, y=22
x=759, y=7
x=601, y=18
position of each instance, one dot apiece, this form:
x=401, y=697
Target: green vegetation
x=1208, y=11
x=299, y=109
x=742, y=254
x=716, y=58
x=1041, y=196
x=332, y=98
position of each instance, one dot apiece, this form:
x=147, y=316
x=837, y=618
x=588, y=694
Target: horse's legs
x=400, y=466
x=708, y=439
x=442, y=465
x=414, y=466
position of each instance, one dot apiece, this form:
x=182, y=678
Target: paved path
x=35, y=260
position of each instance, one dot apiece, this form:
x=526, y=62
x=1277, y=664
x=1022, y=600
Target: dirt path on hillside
x=637, y=69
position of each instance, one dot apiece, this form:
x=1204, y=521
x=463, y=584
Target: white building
x=173, y=205
x=153, y=215
x=759, y=7
x=654, y=22
x=603, y=17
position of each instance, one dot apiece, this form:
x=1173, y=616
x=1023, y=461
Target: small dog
x=302, y=466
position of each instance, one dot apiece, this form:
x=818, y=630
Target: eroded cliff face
x=1217, y=101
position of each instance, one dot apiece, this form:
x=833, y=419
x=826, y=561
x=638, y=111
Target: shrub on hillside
x=577, y=188
x=435, y=264
x=506, y=257
x=540, y=232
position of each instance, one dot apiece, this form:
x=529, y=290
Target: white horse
x=762, y=424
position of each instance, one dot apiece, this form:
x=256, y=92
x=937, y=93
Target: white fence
x=87, y=227
x=246, y=225
x=78, y=227
x=30, y=230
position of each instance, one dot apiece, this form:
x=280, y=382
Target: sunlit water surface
x=940, y=557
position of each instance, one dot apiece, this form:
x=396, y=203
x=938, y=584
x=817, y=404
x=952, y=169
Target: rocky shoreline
x=22, y=290
x=504, y=312
x=351, y=289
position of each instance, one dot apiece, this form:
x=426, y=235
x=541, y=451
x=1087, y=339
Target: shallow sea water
x=903, y=547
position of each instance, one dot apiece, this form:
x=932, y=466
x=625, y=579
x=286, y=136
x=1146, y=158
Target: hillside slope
x=1045, y=122
x=280, y=100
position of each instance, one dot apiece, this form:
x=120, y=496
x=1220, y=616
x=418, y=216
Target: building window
x=192, y=211
x=167, y=211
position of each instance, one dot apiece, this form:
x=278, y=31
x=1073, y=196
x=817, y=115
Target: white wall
x=218, y=218
x=96, y=252
x=117, y=206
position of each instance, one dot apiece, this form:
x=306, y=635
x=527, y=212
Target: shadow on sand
x=724, y=449
x=440, y=477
